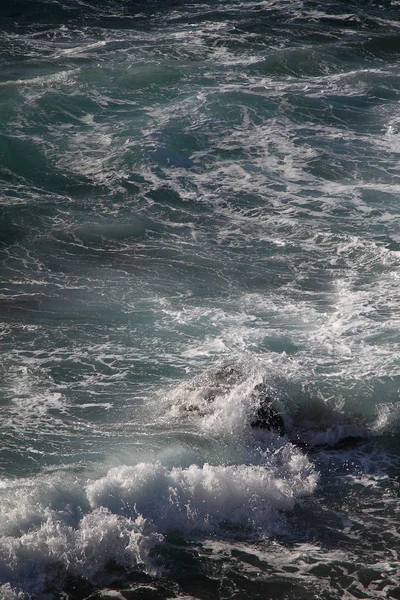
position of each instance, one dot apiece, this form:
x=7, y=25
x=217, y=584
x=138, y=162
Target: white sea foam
x=7, y=592
x=277, y=254
x=47, y=521
x=387, y=418
x=223, y=401
x=53, y=525
x=201, y=498
x=219, y=401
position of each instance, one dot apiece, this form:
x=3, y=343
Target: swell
x=199, y=219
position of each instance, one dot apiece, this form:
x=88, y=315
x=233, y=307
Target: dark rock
x=220, y=382
x=77, y=588
x=266, y=416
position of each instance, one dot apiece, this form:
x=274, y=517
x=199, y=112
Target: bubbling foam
x=47, y=530
x=8, y=593
x=52, y=526
x=201, y=498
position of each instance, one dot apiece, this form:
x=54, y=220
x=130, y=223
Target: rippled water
x=199, y=200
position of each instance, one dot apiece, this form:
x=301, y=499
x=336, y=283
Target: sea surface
x=199, y=214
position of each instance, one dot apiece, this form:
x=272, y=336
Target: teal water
x=199, y=200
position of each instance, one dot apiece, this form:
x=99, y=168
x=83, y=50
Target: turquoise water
x=198, y=201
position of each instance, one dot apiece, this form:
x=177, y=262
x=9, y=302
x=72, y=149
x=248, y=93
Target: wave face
x=200, y=326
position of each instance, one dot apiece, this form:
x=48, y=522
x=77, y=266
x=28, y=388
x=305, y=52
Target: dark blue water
x=198, y=217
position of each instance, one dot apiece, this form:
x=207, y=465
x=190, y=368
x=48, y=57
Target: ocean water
x=199, y=201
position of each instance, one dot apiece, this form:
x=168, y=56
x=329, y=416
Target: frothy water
x=199, y=222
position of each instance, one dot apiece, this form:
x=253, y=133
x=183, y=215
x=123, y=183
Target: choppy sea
x=199, y=200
